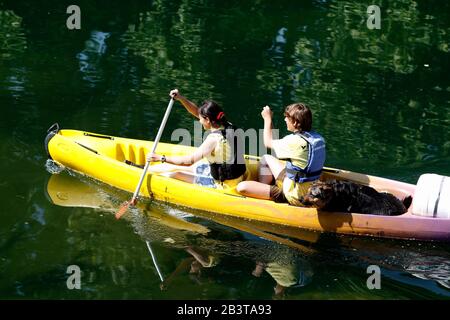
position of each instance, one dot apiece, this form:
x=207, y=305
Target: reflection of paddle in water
x=68, y=191
x=154, y=260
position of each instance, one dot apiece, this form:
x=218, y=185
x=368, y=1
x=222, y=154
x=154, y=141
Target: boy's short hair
x=300, y=115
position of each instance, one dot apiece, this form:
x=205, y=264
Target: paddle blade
x=123, y=208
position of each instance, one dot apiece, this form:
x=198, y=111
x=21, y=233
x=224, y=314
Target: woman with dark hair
x=221, y=147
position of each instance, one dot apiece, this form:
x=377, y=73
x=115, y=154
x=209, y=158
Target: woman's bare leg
x=183, y=173
x=183, y=176
x=168, y=167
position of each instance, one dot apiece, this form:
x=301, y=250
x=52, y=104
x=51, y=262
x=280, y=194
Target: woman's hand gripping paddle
x=133, y=201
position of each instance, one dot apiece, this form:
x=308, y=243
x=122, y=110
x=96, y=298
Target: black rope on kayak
x=97, y=136
x=92, y=150
x=330, y=170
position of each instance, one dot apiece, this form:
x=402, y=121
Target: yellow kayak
x=103, y=157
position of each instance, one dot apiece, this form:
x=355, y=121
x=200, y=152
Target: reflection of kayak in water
x=69, y=191
x=104, y=158
x=153, y=222
x=399, y=258
x=287, y=266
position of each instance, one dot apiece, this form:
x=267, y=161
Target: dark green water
x=381, y=98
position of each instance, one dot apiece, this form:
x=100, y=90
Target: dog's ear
x=318, y=203
x=307, y=201
x=304, y=201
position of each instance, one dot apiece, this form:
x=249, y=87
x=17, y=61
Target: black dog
x=346, y=196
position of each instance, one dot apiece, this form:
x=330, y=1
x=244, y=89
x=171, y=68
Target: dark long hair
x=214, y=113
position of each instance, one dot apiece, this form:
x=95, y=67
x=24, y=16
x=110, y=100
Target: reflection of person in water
x=202, y=260
x=199, y=260
x=288, y=271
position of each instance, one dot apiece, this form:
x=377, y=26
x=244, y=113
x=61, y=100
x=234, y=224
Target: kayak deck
x=103, y=158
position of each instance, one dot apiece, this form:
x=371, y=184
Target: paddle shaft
x=155, y=144
x=154, y=261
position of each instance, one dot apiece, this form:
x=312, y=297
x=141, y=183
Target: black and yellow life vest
x=235, y=167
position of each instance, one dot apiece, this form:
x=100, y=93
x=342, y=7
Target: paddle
x=154, y=260
x=126, y=204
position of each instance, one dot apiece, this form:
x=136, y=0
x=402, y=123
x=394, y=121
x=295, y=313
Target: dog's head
x=319, y=195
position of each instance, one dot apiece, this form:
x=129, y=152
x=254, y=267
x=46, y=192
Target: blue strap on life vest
x=316, y=159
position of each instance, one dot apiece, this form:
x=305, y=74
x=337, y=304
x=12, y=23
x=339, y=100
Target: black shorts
x=276, y=190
